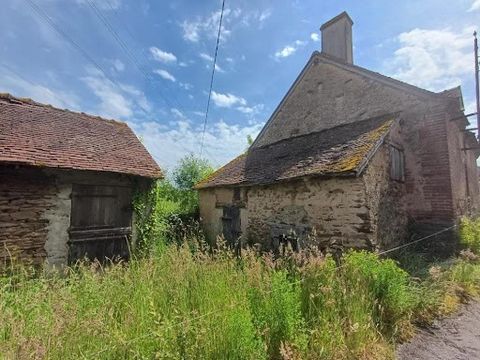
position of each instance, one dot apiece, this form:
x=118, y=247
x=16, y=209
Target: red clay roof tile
x=41, y=135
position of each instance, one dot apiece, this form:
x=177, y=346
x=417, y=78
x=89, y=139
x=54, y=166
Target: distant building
x=66, y=183
x=357, y=158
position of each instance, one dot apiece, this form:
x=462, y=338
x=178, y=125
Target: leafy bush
x=470, y=234
x=168, y=210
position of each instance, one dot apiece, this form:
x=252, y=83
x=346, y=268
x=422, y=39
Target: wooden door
x=100, y=225
x=231, y=224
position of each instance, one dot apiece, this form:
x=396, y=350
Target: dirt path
x=454, y=338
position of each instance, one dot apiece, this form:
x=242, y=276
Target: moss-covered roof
x=339, y=151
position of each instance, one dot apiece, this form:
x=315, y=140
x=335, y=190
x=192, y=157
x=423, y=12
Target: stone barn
x=350, y=157
x=66, y=183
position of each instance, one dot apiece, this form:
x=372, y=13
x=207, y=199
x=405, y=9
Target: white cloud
x=185, y=86
x=251, y=110
x=206, y=57
x=315, y=37
x=162, y=56
x=227, y=100
x=118, y=102
x=219, y=69
x=165, y=74
x=113, y=104
x=289, y=49
x=182, y=64
x=20, y=87
x=475, y=6
x=207, y=26
x=177, y=113
x=209, y=59
x=285, y=52
x=168, y=145
x=118, y=65
x=256, y=17
x=264, y=15
x=432, y=59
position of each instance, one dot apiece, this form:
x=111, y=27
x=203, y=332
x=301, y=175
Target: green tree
x=190, y=171
x=186, y=175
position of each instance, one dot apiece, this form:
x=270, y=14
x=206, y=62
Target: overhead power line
x=211, y=79
x=133, y=59
x=128, y=52
x=46, y=18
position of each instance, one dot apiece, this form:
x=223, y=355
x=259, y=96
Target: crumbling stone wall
x=24, y=196
x=330, y=95
x=386, y=201
x=35, y=210
x=336, y=209
x=367, y=212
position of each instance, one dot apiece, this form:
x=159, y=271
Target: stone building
x=66, y=183
x=354, y=157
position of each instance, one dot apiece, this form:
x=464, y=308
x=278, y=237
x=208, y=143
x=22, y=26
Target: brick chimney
x=337, y=38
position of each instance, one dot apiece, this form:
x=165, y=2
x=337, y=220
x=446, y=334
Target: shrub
x=389, y=286
x=470, y=234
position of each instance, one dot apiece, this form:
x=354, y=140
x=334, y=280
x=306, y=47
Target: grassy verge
x=184, y=304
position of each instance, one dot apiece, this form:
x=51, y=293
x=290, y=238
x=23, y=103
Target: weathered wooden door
x=100, y=225
x=231, y=224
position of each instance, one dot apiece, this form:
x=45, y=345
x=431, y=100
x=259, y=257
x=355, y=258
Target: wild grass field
x=185, y=302
x=180, y=299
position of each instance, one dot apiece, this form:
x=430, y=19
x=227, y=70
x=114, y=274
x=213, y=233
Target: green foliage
x=190, y=171
x=277, y=313
x=167, y=210
x=146, y=207
x=470, y=234
x=184, y=304
x=387, y=283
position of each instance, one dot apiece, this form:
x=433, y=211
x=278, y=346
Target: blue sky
x=157, y=58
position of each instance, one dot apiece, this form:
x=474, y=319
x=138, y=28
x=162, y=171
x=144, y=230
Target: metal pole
x=477, y=90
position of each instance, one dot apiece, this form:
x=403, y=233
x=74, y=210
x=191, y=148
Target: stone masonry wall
x=386, y=201
x=366, y=212
x=24, y=196
x=35, y=208
x=329, y=96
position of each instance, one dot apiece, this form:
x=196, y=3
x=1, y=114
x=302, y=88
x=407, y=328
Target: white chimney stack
x=337, y=38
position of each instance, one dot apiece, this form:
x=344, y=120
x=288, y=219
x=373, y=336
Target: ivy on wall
x=146, y=222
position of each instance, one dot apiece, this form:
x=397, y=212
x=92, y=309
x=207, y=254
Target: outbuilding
x=349, y=158
x=67, y=182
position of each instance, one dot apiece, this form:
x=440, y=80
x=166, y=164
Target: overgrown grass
x=187, y=303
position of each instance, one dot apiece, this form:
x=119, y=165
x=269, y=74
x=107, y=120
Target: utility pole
x=477, y=90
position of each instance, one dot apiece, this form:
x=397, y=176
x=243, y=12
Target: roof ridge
x=378, y=117
x=28, y=101
x=377, y=74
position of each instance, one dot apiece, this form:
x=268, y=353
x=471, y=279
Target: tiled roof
x=339, y=151
x=41, y=135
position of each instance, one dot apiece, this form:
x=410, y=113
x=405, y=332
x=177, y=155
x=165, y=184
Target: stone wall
x=35, y=208
x=329, y=95
x=385, y=200
x=24, y=197
x=347, y=212
x=435, y=191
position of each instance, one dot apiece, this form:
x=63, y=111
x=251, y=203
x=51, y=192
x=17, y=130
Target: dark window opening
x=236, y=194
x=397, y=164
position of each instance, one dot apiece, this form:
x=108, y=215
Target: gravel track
x=453, y=338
